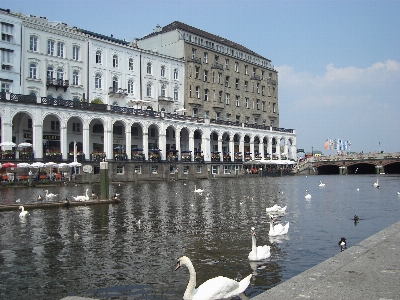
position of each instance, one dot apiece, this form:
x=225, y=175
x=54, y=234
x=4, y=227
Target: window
x=75, y=77
x=162, y=71
x=246, y=84
x=197, y=92
x=205, y=75
x=190, y=91
x=258, y=104
x=269, y=106
x=263, y=105
x=246, y=69
x=193, y=53
x=5, y=87
x=217, y=116
x=247, y=120
x=32, y=70
x=138, y=169
x=237, y=101
x=238, y=119
x=60, y=49
x=176, y=74
x=227, y=99
x=263, y=90
x=262, y=75
x=237, y=83
x=205, y=95
x=194, y=112
x=98, y=57
x=50, y=47
x=55, y=125
x=97, y=81
x=76, y=127
x=252, y=87
x=115, y=84
x=163, y=90
x=115, y=61
x=258, y=88
x=149, y=69
x=246, y=102
x=60, y=74
x=148, y=90
x=274, y=107
x=120, y=169
x=227, y=64
x=154, y=169
x=228, y=117
x=205, y=58
x=50, y=73
x=130, y=86
x=216, y=58
x=213, y=77
x=176, y=90
x=130, y=64
x=197, y=70
x=220, y=96
x=75, y=52
x=6, y=59
x=219, y=77
x=33, y=43
x=236, y=67
x=227, y=81
x=206, y=114
x=6, y=32
x=273, y=92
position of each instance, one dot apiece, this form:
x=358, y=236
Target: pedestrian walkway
x=368, y=270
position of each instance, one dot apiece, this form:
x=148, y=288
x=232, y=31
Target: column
x=128, y=142
x=241, y=146
x=293, y=149
x=146, y=144
x=64, y=141
x=261, y=149
x=86, y=140
x=162, y=142
x=278, y=146
x=285, y=147
x=232, y=147
x=191, y=144
x=177, y=143
x=37, y=136
x=205, y=142
x=252, y=155
x=221, y=155
x=269, y=146
x=108, y=144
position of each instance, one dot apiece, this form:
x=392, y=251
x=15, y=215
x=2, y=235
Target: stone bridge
x=382, y=163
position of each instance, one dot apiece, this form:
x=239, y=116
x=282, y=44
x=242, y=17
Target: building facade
x=224, y=80
x=10, y=52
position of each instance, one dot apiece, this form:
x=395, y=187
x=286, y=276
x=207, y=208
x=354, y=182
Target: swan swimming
x=23, y=212
x=260, y=252
x=276, y=208
x=307, y=196
x=82, y=198
x=376, y=184
x=215, y=288
x=278, y=229
x=50, y=196
x=198, y=190
x=321, y=184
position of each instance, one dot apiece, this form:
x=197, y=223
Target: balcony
x=270, y=81
x=216, y=65
x=57, y=83
x=195, y=101
x=218, y=106
x=166, y=99
x=195, y=60
x=255, y=77
x=117, y=92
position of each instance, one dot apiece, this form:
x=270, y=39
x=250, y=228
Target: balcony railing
x=195, y=60
x=216, y=65
x=270, y=81
x=255, y=77
x=57, y=83
x=167, y=99
x=117, y=92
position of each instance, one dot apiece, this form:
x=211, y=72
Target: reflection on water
x=115, y=257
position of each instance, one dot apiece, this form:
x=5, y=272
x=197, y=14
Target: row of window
x=6, y=59
x=6, y=32
x=54, y=48
x=228, y=117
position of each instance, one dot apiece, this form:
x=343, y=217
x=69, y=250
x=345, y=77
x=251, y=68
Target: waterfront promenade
x=368, y=270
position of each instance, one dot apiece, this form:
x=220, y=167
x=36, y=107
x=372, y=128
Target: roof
x=105, y=37
x=182, y=26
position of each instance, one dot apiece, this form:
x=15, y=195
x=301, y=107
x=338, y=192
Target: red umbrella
x=8, y=165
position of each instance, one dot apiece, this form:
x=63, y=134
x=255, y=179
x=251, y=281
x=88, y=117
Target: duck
x=51, y=195
x=115, y=196
x=66, y=202
x=82, y=198
x=23, y=212
x=76, y=235
x=307, y=196
x=215, y=288
x=276, y=208
x=198, y=190
x=342, y=243
x=356, y=218
x=277, y=229
x=39, y=198
x=376, y=184
x=94, y=195
x=260, y=252
x=321, y=184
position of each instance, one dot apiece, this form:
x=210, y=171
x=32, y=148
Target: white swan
x=23, y=212
x=376, y=184
x=51, y=195
x=215, y=288
x=321, y=184
x=260, y=252
x=82, y=198
x=307, y=196
x=276, y=208
x=278, y=229
x=198, y=190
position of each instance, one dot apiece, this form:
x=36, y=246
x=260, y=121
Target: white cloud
x=361, y=102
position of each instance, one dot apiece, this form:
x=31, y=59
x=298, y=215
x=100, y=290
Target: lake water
x=114, y=258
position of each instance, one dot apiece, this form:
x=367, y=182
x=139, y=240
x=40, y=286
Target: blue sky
x=338, y=61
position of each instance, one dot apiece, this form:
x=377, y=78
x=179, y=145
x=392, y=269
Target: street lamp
x=312, y=151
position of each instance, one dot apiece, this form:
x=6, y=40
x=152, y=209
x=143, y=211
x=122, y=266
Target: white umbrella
x=37, y=165
x=7, y=144
x=75, y=164
x=63, y=165
x=50, y=164
x=24, y=145
x=23, y=165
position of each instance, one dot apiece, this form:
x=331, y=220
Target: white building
x=10, y=52
x=53, y=59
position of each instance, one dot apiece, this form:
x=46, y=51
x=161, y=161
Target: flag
x=326, y=144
